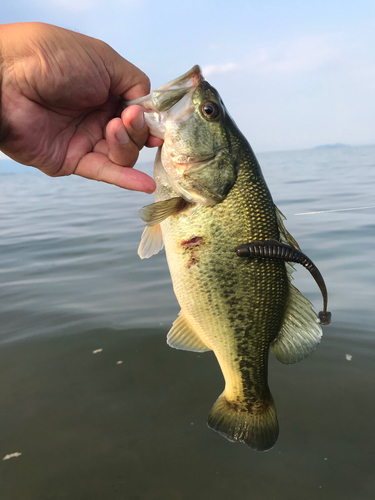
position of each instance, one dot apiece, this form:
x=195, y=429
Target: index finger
x=99, y=167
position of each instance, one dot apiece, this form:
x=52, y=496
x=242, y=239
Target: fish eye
x=210, y=110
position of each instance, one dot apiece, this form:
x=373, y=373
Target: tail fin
x=259, y=429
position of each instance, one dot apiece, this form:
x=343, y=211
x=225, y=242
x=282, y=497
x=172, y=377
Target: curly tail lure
x=272, y=249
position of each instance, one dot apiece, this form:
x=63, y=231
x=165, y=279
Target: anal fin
x=182, y=336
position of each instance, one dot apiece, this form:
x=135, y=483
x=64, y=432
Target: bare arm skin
x=60, y=93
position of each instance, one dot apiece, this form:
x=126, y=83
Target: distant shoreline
x=7, y=165
x=338, y=145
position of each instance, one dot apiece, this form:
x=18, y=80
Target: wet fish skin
x=234, y=307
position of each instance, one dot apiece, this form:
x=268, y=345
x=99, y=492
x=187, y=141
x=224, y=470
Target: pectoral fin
x=300, y=333
x=157, y=212
x=151, y=242
x=182, y=336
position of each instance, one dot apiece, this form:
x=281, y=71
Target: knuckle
x=125, y=155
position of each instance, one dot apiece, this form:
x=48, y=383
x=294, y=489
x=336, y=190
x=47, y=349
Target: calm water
x=90, y=427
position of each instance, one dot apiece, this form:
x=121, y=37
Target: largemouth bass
x=226, y=247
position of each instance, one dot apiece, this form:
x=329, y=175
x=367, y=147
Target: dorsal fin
x=285, y=235
x=157, y=212
x=151, y=242
x=182, y=336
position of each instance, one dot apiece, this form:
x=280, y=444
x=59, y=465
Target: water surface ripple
x=129, y=422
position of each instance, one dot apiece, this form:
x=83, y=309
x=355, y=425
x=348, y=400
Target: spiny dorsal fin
x=182, y=336
x=300, y=333
x=285, y=235
x=157, y=212
x=151, y=242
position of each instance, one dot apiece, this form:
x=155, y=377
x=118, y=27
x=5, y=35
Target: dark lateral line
x=272, y=249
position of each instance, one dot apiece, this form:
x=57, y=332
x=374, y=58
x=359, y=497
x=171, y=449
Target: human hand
x=60, y=108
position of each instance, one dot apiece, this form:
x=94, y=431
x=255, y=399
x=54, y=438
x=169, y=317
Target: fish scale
x=237, y=318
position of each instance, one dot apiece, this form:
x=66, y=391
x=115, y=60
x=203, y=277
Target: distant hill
x=333, y=146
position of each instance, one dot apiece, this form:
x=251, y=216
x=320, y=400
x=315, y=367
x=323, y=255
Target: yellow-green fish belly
x=236, y=307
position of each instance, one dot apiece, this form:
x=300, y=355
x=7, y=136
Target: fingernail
x=122, y=135
x=138, y=122
x=151, y=186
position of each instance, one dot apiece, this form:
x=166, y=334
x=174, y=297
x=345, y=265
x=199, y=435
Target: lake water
x=129, y=422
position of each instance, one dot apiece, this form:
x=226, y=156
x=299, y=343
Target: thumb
x=127, y=80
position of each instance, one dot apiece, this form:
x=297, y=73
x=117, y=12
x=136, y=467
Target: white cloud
x=219, y=68
x=301, y=55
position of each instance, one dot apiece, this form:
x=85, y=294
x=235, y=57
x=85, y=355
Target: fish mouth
x=166, y=96
x=186, y=163
x=191, y=78
x=183, y=162
x=169, y=100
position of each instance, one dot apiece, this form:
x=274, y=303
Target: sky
x=292, y=74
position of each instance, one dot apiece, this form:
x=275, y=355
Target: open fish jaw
x=170, y=102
